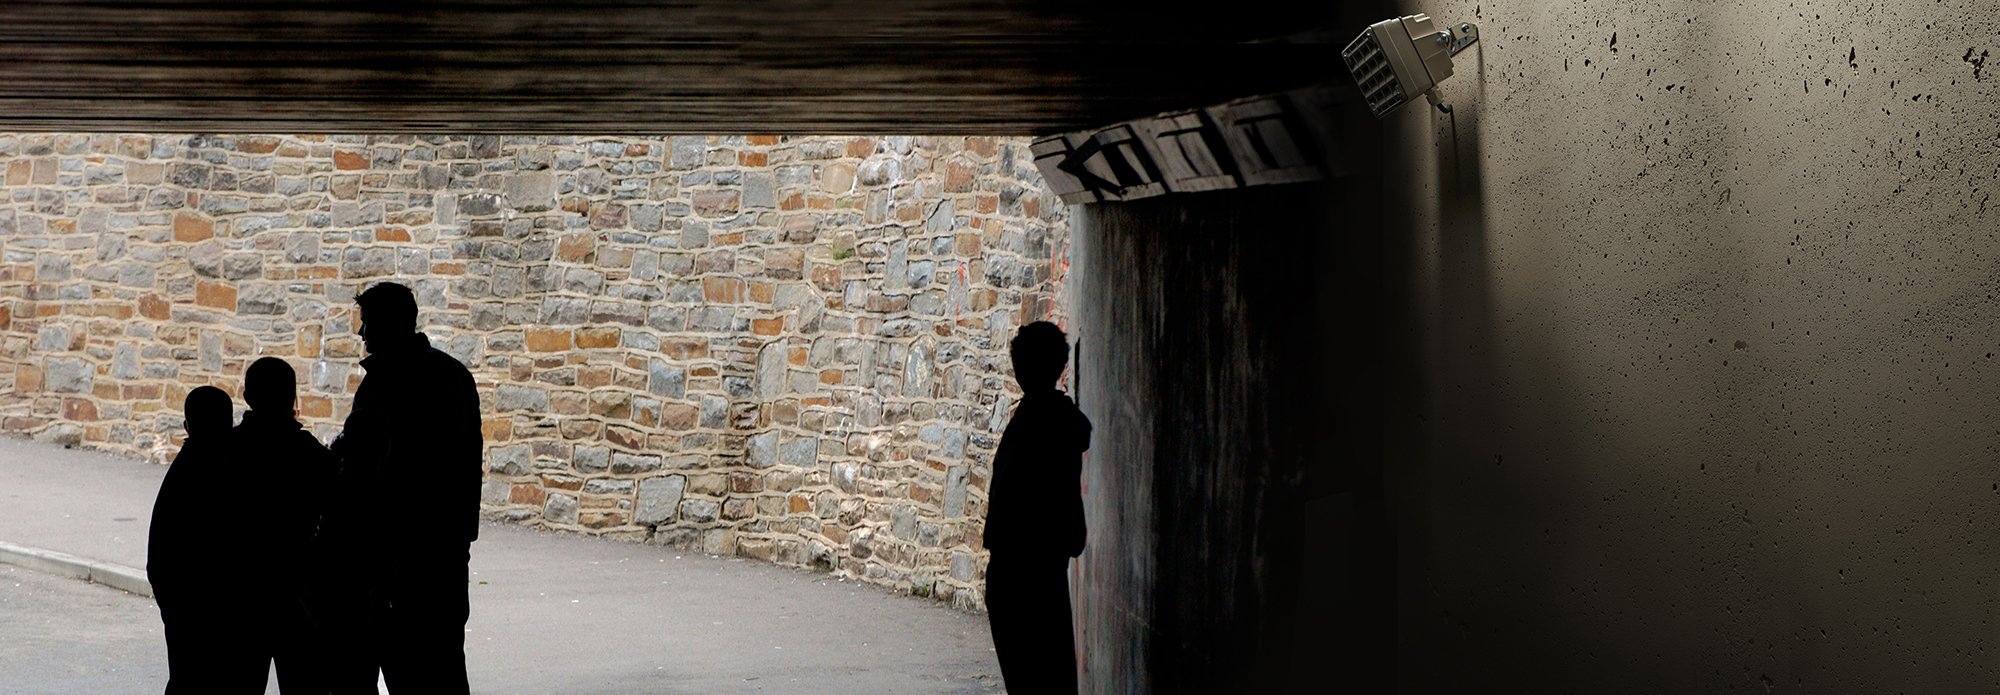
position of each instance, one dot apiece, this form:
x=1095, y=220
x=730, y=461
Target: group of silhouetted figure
x=338, y=564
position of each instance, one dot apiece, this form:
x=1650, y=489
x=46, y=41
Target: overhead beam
x=694, y=66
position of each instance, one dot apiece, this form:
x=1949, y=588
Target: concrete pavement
x=550, y=613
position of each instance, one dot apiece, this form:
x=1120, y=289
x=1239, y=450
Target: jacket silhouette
x=415, y=423
x=195, y=588
x=277, y=455
x=1034, y=521
x=1035, y=502
x=399, y=548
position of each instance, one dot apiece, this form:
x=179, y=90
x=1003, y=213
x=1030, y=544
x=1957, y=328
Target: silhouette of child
x=278, y=458
x=1034, y=520
x=184, y=563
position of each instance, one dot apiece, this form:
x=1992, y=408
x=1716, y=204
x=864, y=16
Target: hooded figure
x=195, y=590
x=1034, y=520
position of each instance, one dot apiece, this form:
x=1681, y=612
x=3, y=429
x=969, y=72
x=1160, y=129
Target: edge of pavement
x=111, y=574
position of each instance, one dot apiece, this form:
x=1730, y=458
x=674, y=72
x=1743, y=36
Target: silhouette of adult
x=1034, y=520
x=196, y=595
x=275, y=454
x=411, y=453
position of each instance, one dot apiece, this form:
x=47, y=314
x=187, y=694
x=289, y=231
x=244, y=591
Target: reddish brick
x=679, y=416
x=154, y=306
x=761, y=140
x=257, y=144
x=684, y=349
x=561, y=482
x=497, y=430
x=830, y=376
x=714, y=203
x=215, y=294
x=79, y=410
x=593, y=377
x=389, y=234
x=577, y=248
x=343, y=159
x=309, y=337
x=547, y=340
x=528, y=494
x=860, y=147
x=603, y=518
x=762, y=292
x=753, y=159
x=722, y=290
x=833, y=532
x=958, y=177
x=625, y=437
x=788, y=264
x=597, y=338
x=767, y=326
x=191, y=227
x=315, y=406
x=800, y=503
x=826, y=277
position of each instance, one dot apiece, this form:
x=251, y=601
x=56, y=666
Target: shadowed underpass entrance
x=785, y=350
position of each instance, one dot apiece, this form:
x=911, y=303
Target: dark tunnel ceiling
x=604, y=66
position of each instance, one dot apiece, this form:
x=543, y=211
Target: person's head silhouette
x=1040, y=350
x=208, y=411
x=270, y=388
x=388, y=317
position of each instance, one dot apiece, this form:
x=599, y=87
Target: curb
x=110, y=574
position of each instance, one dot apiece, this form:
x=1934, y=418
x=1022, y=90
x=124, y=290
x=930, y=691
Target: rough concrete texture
x=1211, y=434
x=1703, y=350
x=787, y=348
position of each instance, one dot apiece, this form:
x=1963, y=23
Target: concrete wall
x=1218, y=454
x=792, y=349
x=1702, y=317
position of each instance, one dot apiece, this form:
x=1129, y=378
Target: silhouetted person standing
x=410, y=453
x=195, y=589
x=277, y=458
x=1034, y=520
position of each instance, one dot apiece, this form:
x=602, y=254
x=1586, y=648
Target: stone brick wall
x=792, y=349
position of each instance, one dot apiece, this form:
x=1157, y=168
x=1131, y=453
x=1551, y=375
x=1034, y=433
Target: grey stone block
x=802, y=452
x=496, y=492
x=512, y=397
x=762, y=449
x=509, y=460
x=627, y=464
x=660, y=499
x=591, y=459
x=771, y=371
x=560, y=508
x=68, y=375
x=954, y=491
x=666, y=380
x=700, y=511
x=531, y=191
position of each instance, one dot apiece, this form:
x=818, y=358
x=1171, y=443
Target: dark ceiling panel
x=694, y=66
